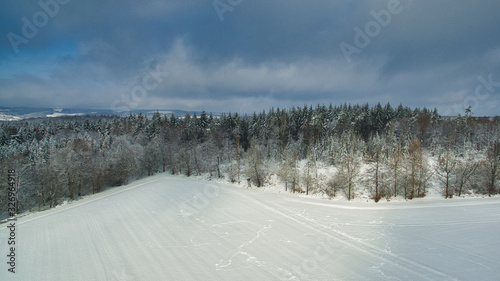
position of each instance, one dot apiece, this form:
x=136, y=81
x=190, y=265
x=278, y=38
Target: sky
x=250, y=55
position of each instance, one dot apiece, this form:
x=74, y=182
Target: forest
x=382, y=150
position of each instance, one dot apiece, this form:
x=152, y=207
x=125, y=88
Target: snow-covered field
x=175, y=228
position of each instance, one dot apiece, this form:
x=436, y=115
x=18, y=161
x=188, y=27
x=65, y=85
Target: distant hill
x=22, y=113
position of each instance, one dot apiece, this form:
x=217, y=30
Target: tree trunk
x=376, y=181
x=218, y=166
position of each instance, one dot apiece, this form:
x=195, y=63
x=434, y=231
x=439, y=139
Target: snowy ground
x=174, y=228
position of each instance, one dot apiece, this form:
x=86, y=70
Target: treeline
x=387, y=151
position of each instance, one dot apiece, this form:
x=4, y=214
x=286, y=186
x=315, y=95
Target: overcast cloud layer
x=245, y=56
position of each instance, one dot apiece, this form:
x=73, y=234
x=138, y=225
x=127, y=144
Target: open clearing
x=175, y=228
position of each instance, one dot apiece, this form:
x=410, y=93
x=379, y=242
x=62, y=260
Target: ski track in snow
x=160, y=229
x=353, y=242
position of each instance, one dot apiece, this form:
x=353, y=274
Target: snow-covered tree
x=491, y=166
x=349, y=165
x=465, y=171
x=255, y=169
x=376, y=158
x=445, y=169
x=288, y=169
x=414, y=168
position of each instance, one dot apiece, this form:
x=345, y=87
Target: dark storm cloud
x=262, y=54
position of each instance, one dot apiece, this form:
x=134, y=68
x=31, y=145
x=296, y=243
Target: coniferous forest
x=381, y=150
